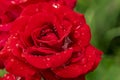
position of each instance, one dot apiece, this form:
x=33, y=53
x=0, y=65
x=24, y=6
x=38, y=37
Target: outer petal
x=81, y=36
x=13, y=47
x=8, y=11
x=22, y=21
x=3, y=38
x=4, y=34
x=5, y=27
x=18, y=67
x=44, y=62
x=85, y=65
x=49, y=75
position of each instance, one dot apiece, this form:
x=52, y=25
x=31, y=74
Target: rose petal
x=49, y=38
x=3, y=6
x=81, y=37
x=12, y=12
x=3, y=38
x=1, y=64
x=44, y=62
x=81, y=67
x=34, y=77
x=61, y=58
x=5, y=27
x=22, y=21
x=18, y=67
x=49, y=75
x=32, y=9
x=13, y=47
x=41, y=51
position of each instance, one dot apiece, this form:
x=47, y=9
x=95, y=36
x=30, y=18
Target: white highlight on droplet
x=56, y=5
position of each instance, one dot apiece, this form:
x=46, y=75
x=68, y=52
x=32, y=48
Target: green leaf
x=2, y=72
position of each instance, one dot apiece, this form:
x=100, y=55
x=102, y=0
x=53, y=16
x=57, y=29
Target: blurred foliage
x=103, y=16
x=2, y=72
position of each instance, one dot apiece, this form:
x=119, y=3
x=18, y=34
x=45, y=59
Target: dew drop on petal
x=56, y=5
x=85, y=66
x=36, y=9
x=8, y=77
x=48, y=59
x=78, y=27
x=17, y=45
x=82, y=33
x=18, y=78
x=76, y=31
x=23, y=1
x=12, y=60
x=89, y=56
x=13, y=37
x=84, y=61
x=47, y=64
x=13, y=2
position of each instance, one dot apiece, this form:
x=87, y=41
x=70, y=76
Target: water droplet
x=8, y=77
x=70, y=48
x=48, y=59
x=56, y=5
x=17, y=45
x=37, y=10
x=47, y=64
x=78, y=27
x=13, y=2
x=82, y=33
x=18, y=78
x=1, y=25
x=13, y=37
x=85, y=66
x=83, y=60
x=8, y=47
x=61, y=27
x=76, y=31
x=22, y=1
x=12, y=60
x=1, y=53
x=89, y=56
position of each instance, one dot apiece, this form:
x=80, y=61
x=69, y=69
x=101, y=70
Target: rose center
x=48, y=33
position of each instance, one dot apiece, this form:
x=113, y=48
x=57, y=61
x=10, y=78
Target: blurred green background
x=103, y=16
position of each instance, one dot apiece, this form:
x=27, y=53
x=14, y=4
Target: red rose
x=11, y=9
x=52, y=41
